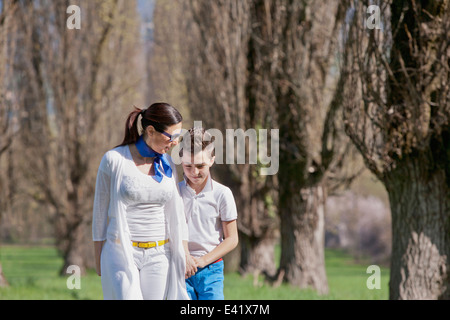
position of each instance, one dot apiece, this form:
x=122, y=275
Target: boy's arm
x=229, y=243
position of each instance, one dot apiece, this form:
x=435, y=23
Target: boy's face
x=196, y=167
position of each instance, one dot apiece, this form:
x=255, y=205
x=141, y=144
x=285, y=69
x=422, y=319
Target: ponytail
x=159, y=115
x=131, y=128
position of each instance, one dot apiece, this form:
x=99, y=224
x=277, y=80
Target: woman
x=139, y=229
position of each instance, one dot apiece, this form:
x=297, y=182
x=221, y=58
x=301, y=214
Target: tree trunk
x=257, y=254
x=71, y=235
x=73, y=248
x=420, y=206
x=255, y=223
x=418, y=186
x=302, y=239
x=3, y=282
x=257, y=236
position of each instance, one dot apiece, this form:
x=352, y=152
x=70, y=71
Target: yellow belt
x=149, y=244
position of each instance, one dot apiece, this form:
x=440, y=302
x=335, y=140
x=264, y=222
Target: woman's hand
x=191, y=266
x=98, y=245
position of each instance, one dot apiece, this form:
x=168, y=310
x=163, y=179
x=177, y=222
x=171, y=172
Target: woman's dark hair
x=160, y=115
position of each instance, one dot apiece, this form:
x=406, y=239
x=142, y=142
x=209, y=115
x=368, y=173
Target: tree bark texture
x=418, y=183
x=257, y=228
x=420, y=206
x=302, y=239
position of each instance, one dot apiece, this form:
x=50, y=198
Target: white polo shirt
x=204, y=214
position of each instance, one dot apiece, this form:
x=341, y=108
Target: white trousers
x=153, y=267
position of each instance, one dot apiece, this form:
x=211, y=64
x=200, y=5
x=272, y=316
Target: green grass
x=32, y=273
x=346, y=281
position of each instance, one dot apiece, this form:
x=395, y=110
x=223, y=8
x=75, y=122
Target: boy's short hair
x=197, y=139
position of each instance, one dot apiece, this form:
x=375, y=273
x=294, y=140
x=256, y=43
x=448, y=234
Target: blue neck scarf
x=160, y=160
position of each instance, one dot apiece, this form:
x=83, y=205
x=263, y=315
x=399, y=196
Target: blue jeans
x=207, y=283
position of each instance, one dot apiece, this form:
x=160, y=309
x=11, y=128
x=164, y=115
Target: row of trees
x=323, y=75
x=65, y=90
x=264, y=64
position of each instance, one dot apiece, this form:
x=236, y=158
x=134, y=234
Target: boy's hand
x=191, y=266
x=201, y=263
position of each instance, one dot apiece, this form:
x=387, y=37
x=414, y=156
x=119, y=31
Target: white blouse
x=145, y=199
x=110, y=223
x=204, y=214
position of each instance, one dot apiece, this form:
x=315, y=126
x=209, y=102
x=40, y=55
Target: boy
x=210, y=214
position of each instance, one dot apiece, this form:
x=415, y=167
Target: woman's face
x=160, y=142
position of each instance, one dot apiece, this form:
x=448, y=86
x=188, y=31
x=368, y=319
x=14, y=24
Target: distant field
x=32, y=273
